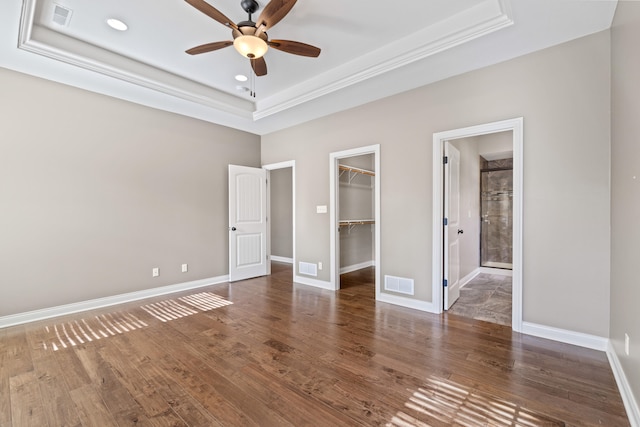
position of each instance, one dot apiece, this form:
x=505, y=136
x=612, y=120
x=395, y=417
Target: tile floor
x=487, y=297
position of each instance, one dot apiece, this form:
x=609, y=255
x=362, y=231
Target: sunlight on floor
x=70, y=334
x=448, y=402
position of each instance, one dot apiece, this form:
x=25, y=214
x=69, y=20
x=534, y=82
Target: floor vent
x=398, y=284
x=61, y=15
x=308, y=268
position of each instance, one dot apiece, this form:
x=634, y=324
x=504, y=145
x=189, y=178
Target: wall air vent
x=398, y=284
x=61, y=15
x=308, y=268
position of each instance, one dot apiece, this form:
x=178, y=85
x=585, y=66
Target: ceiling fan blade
x=295, y=48
x=209, y=47
x=259, y=66
x=273, y=13
x=212, y=12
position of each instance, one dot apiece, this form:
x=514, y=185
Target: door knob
x=232, y=229
x=460, y=231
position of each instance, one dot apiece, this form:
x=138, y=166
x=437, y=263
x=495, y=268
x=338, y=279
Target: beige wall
x=281, y=218
x=96, y=192
x=625, y=189
x=563, y=94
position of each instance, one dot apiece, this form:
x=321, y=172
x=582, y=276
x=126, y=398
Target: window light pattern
x=70, y=334
x=452, y=403
x=76, y=332
x=205, y=301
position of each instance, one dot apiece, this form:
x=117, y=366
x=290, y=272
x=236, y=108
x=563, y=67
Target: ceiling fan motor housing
x=249, y=6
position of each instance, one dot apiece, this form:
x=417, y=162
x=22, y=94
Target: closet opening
x=355, y=198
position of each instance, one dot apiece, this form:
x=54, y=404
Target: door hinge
x=445, y=160
x=445, y=221
x=445, y=283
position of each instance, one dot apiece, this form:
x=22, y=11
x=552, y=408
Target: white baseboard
x=496, y=271
x=569, y=337
x=61, y=310
x=314, y=282
x=469, y=277
x=630, y=403
x=355, y=267
x=277, y=258
x=407, y=302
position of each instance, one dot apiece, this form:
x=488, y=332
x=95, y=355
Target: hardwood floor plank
x=91, y=408
x=57, y=403
x=26, y=401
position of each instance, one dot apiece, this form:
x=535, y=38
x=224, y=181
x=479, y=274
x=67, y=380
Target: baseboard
x=277, y=258
x=62, y=310
x=469, y=277
x=568, y=337
x=314, y=282
x=355, y=267
x=630, y=403
x=407, y=302
x=496, y=271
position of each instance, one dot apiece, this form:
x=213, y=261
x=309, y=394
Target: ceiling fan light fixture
x=250, y=46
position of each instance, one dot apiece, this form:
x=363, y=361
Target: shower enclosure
x=496, y=226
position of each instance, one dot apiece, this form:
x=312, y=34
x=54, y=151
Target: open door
x=452, y=229
x=247, y=222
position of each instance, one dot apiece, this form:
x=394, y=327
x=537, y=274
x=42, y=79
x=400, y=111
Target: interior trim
x=580, y=339
x=63, y=310
x=629, y=401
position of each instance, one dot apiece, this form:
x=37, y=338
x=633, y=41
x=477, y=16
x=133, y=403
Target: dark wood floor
x=264, y=352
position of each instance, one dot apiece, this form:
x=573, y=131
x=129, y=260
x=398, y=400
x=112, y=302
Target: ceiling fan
x=250, y=38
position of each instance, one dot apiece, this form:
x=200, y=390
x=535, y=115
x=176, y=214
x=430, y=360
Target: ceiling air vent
x=61, y=15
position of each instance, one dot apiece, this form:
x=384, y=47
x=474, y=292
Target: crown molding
x=51, y=44
x=485, y=18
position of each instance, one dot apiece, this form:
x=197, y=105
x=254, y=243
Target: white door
x=452, y=229
x=247, y=222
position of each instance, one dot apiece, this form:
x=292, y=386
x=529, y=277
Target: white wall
x=563, y=94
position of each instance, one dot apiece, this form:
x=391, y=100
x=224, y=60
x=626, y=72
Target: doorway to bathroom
x=452, y=271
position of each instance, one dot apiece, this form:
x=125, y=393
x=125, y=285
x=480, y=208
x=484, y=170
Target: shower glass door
x=496, y=229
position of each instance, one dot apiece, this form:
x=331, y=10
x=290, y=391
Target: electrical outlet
x=155, y=272
x=185, y=268
x=626, y=344
x=320, y=266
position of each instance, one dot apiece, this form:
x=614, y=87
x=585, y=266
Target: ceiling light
x=241, y=78
x=117, y=24
x=251, y=47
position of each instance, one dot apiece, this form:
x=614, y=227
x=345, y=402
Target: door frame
x=273, y=166
x=516, y=126
x=334, y=234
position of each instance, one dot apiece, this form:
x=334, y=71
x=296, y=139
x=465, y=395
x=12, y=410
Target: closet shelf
x=353, y=222
x=353, y=172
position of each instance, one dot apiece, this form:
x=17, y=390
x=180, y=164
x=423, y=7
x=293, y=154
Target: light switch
x=321, y=209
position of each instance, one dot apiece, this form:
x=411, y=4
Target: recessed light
x=117, y=24
x=241, y=78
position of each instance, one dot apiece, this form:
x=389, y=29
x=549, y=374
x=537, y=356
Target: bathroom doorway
x=440, y=265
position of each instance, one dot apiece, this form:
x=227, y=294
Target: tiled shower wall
x=496, y=195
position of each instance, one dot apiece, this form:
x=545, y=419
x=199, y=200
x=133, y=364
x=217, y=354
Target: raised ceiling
x=369, y=50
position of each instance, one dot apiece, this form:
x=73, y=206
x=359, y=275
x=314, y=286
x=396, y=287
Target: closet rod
x=356, y=170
